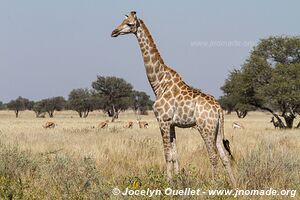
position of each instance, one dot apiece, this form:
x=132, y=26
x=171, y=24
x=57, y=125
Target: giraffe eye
x=129, y=24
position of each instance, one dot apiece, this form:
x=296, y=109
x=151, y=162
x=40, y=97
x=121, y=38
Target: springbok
x=103, y=124
x=143, y=124
x=236, y=125
x=49, y=125
x=128, y=124
x=43, y=115
x=275, y=123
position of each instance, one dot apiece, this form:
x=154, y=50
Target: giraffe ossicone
x=177, y=104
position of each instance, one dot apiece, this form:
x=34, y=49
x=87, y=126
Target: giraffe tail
x=227, y=147
x=220, y=136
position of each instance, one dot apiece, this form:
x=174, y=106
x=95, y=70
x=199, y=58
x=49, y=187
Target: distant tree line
x=269, y=80
x=20, y=104
x=110, y=94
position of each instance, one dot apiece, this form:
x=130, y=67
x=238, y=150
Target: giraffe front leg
x=174, y=150
x=165, y=133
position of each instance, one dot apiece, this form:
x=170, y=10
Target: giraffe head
x=129, y=25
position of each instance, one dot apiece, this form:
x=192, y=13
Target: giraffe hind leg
x=226, y=157
x=211, y=148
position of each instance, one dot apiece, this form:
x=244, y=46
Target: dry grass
x=76, y=161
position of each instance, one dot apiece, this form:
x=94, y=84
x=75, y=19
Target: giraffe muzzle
x=115, y=33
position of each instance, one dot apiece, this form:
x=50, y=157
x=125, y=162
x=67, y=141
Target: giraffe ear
x=126, y=16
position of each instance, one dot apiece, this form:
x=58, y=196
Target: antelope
x=42, y=115
x=275, y=123
x=236, y=125
x=49, y=125
x=103, y=124
x=129, y=124
x=143, y=124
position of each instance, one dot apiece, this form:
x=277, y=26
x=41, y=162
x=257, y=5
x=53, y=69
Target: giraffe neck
x=153, y=62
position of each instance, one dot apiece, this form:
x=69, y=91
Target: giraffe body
x=177, y=104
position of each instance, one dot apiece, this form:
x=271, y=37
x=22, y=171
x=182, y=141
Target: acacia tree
x=82, y=101
x=19, y=104
x=232, y=101
x=114, y=94
x=29, y=104
x=39, y=108
x=141, y=102
x=270, y=79
x=283, y=91
x=52, y=104
x=1, y=105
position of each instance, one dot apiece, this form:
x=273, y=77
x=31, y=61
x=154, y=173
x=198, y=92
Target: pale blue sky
x=48, y=48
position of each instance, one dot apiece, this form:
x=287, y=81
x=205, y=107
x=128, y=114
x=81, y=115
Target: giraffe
x=177, y=104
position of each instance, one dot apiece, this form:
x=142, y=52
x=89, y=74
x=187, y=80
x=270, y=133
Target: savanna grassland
x=77, y=160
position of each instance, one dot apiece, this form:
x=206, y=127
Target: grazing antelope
x=236, y=125
x=275, y=123
x=49, y=125
x=128, y=124
x=41, y=115
x=143, y=124
x=103, y=124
